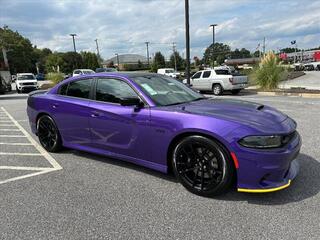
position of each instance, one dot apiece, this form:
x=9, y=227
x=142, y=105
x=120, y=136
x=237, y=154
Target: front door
x=117, y=129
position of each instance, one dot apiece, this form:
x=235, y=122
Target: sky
x=123, y=26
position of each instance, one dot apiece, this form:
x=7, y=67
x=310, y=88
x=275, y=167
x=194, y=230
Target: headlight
x=263, y=141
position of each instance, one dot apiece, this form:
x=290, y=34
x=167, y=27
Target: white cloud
x=123, y=26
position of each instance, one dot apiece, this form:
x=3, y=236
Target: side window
x=206, y=74
x=197, y=75
x=63, y=89
x=77, y=72
x=80, y=88
x=112, y=90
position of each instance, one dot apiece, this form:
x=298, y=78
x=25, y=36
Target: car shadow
x=121, y=163
x=304, y=186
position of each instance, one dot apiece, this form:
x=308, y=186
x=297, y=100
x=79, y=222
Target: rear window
x=206, y=74
x=222, y=72
x=79, y=89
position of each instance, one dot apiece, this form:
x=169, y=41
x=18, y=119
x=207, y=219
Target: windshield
x=166, y=91
x=26, y=77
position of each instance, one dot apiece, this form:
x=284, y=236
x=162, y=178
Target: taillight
x=231, y=80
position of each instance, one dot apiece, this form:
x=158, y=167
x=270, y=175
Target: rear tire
x=203, y=166
x=48, y=134
x=235, y=92
x=217, y=89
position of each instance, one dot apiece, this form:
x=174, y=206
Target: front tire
x=48, y=134
x=203, y=166
x=217, y=89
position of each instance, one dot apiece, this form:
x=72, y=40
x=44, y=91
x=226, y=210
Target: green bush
x=55, y=78
x=270, y=72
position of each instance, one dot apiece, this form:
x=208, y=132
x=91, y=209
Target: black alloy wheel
x=203, y=166
x=48, y=134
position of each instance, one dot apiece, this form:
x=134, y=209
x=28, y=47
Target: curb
x=303, y=95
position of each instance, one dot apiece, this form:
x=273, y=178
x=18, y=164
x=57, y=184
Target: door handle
x=95, y=114
x=55, y=105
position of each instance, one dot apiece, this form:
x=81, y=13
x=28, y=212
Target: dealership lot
x=76, y=195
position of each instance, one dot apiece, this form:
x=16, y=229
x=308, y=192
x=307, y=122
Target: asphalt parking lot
x=76, y=195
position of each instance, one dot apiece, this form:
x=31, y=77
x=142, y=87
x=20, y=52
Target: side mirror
x=131, y=102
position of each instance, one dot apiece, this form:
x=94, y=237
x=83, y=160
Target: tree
x=217, y=52
x=158, y=62
x=257, y=53
x=19, y=51
x=53, y=62
x=40, y=58
x=243, y=53
x=289, y=50
x=90, y=60
x=71, y=61
x=179, y=61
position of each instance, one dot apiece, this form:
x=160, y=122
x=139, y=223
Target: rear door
x=117, y=129
x=70, y=109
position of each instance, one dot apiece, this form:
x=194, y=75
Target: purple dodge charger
x=157, y=122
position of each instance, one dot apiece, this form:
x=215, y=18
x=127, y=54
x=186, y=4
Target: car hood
x=235, y=110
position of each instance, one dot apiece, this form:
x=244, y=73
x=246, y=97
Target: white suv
x=78, y=72
x=26, y=81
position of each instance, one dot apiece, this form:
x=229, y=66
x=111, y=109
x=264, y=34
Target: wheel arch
x=183, y=135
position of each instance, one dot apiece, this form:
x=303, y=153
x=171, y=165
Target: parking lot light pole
x=74, y=43
x=117, y=60
x=148, y=58
x=186, y=5
x=213, y=41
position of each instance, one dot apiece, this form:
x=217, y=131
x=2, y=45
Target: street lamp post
x=213, y=40
x=74, y=43
x=148, y=58
x=186, y=5
x=117, y=60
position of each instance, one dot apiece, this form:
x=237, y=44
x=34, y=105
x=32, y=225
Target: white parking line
x=41, y=152
x=20, y=154
x=7, y=125
x=16, y=144
x=9, y=130
x=13, y=136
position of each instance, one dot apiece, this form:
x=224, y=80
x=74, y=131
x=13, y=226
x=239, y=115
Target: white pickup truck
x=218, y=80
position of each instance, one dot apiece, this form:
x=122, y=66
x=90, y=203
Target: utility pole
x=74, y=44
x=186, y=13
x=174, y=55
x=213, y=41
x=147, y=44
x=117, y=60
x=264, y=46
x=98, y=52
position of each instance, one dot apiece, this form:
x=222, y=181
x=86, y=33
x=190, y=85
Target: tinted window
x=222, y=72
x=112, y=90
x=77, y=72
x=80, y=89
x=206, y=74
x=197, y=75
x=63, y=89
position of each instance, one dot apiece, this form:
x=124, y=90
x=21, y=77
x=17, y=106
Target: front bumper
x=267, y=170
